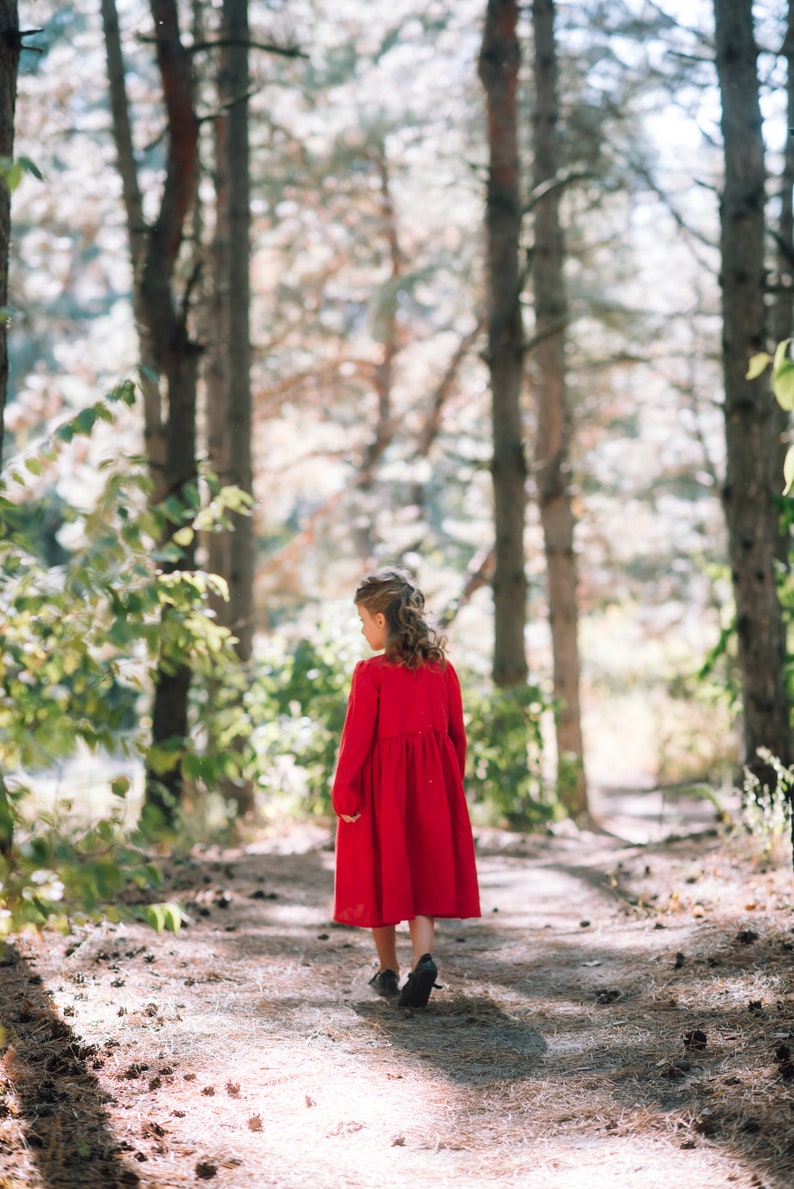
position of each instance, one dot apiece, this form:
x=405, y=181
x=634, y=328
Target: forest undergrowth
x=621, y=1015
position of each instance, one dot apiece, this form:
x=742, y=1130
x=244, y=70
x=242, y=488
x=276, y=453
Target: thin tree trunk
x=229, y=390
x=9, y=69
x=552, y=469
x=161, y=313
x=385, y=329
x=782, y=315
x=231, y=554
x=749, y=420
x=431, y=426
x=235, y=16
x=498, y=68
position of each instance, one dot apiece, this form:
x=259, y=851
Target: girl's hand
x=346, y=818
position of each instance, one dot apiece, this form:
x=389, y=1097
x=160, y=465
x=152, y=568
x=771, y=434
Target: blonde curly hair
x=410, y=639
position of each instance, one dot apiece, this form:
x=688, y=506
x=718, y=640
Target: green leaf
x=124, y=392
x=31, y=167
x=218, y=585
x=168, y=553
x=154, y=915
x=33, y=465
x=184, y=536
x=120, y=786
x=783, y=385
x=781, y=354
x=86, y=419
x=14, y=176
x=788, y=471
x=758, y=365
x=169, y=915
x=174, y=916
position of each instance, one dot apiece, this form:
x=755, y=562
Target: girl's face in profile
x=373, y=628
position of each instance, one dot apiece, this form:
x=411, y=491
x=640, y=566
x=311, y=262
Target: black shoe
x=385, y=983
x=419, y=984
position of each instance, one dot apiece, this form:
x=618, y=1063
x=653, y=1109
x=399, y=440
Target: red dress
x=401, y=764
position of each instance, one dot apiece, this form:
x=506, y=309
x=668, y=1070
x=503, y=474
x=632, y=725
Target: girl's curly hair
x=410, y=640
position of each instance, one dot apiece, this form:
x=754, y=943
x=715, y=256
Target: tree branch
x=551, y=184
x=267, y=47
x=122, y=133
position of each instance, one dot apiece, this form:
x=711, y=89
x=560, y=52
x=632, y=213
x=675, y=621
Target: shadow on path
x=468, y=1039
x=49, y=1072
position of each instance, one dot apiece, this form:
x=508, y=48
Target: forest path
x=619, y=1016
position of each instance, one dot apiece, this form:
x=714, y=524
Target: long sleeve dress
x=401, y=764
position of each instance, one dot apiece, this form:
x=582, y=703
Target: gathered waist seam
x=411, y=734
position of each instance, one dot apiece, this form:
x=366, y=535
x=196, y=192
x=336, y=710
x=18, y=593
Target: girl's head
x=392, y=611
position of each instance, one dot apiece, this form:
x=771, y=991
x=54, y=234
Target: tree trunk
x=749, y=418
x=229, y=414
x=161, y=312
x=783, y=305
x=385, y=330
x=498, y=68
x=552, y=468
x=9, y=68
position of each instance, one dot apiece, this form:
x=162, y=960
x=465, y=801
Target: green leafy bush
x=504, y=769
x=297, y=703
x=80, y=644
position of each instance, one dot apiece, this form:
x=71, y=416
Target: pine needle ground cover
x=621, y=1016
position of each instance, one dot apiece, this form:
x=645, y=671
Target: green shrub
x=504, y=769
x=297, y=703
x=79, y=646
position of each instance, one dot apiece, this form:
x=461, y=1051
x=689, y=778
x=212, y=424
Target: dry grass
x=621, y=1016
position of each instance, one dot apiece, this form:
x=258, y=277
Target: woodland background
x=328, y=389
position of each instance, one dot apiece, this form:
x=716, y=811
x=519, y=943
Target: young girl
x=404, y=843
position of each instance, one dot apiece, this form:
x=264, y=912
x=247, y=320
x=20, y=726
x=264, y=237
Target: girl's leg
x=385, y=938
x=422, y=934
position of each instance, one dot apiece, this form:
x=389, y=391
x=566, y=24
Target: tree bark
x=229, y=413
x=749, y=418
x=137, y=235
x=9, y=69
x=782, y=314
x=166, y=344
x=385, y=329
x=552, y=468
x=499, y=62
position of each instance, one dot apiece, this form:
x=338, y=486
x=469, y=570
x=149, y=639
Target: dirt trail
x=620, y=1016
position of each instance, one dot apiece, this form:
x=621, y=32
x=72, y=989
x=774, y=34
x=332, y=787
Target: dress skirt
x=401, y=765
